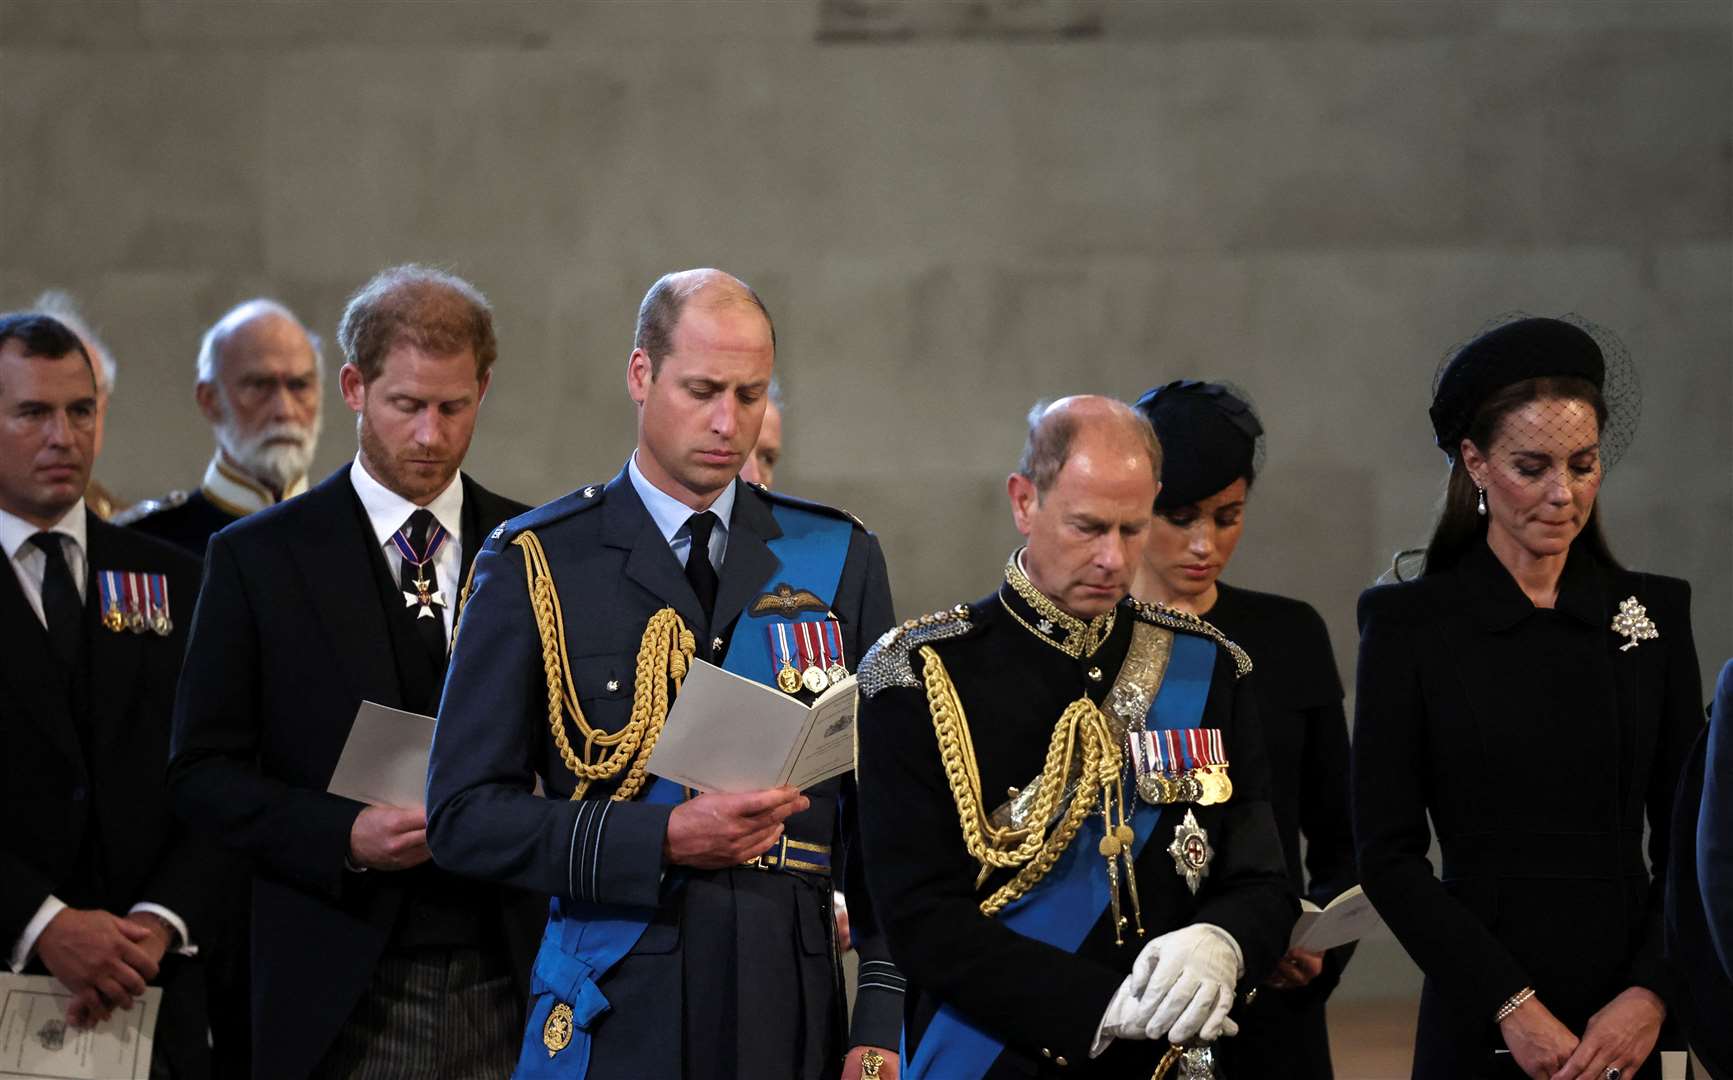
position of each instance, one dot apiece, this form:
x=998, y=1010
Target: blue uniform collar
x=670, y=514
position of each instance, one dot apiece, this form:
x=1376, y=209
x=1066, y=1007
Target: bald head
x=1099, y=429
x=703, y=289
x=254, y=327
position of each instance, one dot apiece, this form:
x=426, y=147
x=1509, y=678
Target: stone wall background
x=952, y=208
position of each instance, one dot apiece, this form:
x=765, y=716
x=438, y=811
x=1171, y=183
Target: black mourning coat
x=1284, y=1032
x=292, y=634
x=1046, y=1004
x=1538, y=747
x=93, y=825
x=737, y=973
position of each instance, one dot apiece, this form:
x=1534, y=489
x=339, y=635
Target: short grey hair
x=59, y=305
x=211, y=345
x=1052, y=431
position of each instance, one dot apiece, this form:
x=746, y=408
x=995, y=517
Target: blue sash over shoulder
x=584, y=941
x=1069, y=901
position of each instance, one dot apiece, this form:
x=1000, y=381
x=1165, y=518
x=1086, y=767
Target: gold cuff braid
x=664, y=656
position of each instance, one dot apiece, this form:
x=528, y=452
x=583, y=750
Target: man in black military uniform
x=258, y=386
x=1064, y=794
x=99, y=885
x=689, y=936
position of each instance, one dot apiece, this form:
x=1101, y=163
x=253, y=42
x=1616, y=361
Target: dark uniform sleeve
x=483, y=817
x=1715, y=825
x=1681, y=720
x=878, y=1005
x=299, y=834
x=1248, y=892
x=1029, y=994
x=1447, y=940
x=1324, y=820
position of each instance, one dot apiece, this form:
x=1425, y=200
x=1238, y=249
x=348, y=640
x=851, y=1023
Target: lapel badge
x=557, y=1032
x=1633, y=622
x=1191, y=851
x=787, y=601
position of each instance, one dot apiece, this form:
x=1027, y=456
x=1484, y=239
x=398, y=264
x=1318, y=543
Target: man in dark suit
x=99, y=886
x=689, y=936
x=367, y=961
x=1699, y=904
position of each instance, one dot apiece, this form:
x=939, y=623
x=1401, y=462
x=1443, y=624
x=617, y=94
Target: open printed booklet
x=728, y=733
x=1349, y=917
x=36, y=1041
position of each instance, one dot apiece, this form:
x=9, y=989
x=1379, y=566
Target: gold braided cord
x=664, y=656
x=1082, y=731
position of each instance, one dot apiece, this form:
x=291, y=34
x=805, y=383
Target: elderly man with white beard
x=258, y=385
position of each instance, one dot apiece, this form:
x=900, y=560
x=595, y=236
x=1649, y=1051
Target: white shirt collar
x=15, y=532
x=387, y=510
x=239, y=494
x=669, y=513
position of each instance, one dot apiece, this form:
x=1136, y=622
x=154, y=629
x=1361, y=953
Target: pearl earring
x=1482, y=503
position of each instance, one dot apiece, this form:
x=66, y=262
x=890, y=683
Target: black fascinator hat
x=1210, y=437
x=1518, y=347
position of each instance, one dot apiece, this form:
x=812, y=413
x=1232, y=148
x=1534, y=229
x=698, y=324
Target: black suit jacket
x=613, y=569
x=56, y=791
x=1700, y=888
x=290, y=637
x=1537, y=745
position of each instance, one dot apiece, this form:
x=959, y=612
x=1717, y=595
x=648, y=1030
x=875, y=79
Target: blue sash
x=582, y=941
x=1068, y=902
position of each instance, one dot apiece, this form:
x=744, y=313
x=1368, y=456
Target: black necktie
x=61, y=608
x=699, y=572
x=423, y=580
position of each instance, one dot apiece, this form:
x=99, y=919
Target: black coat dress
x=1299, y=695
x=1537, y=744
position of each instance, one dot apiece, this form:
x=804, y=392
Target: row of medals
x=815, y=678
x=116, y=620
x=1204, y=786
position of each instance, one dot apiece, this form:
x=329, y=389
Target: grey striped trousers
x=430, y=1014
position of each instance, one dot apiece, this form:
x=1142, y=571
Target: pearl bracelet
x=1515, y=1003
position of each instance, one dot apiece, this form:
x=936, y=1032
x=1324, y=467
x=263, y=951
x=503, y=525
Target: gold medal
x=1225, y=785
x=814, y=679
x=788, y=679
x=557, y=1032
x=1208, y=790
x=112, y=619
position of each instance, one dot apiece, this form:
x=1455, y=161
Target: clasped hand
x=1180, y=989
x=104, y=959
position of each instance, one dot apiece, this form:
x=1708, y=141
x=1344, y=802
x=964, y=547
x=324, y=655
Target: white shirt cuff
x=26, y=943
x=186, y=947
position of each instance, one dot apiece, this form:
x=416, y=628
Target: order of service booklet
x=727, y=733
x=37, y=1042
x=1349, y=917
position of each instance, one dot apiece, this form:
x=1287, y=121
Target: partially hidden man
x=688, y=936
x=100, y=886
x=1065, y=800
x=367, y=960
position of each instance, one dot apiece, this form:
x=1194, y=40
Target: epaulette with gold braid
x=1174, y=619
x=887, y=664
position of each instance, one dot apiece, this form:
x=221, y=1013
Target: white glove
x=1184, y=981
x=1122, y=1020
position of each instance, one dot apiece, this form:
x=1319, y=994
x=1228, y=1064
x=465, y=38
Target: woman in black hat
x=1212, y=443
x=1537, y=701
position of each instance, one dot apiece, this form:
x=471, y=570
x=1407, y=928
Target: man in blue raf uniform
x=688, y=936
x=1065, y=800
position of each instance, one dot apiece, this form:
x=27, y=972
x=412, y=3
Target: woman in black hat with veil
x=1537, y=701
x=1212, y=447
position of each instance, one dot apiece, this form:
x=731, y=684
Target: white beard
x=275, y=464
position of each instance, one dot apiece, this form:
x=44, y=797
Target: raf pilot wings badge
x=787, y=601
